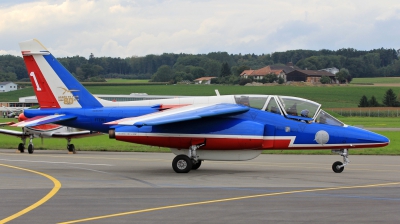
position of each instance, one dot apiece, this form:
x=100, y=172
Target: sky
x=126, y=28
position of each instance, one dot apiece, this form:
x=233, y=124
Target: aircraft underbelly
x=184, y=141
x=221, y=155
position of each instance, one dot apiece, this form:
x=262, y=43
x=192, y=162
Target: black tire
x=21, y=147
x=71, y=148
x=335, y=167
x=182, y=164
x=31, y=149
x=197, y=165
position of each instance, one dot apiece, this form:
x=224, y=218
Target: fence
x=367, y=112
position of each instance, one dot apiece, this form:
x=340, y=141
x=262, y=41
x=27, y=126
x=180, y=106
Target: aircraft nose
x=379, y=138
x=366, y=137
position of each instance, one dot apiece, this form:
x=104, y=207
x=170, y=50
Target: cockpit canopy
x=290, y=107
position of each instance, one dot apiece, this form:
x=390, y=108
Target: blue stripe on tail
x=85, y=98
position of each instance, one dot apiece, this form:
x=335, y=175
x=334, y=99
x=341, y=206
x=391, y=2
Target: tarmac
x=125, y=187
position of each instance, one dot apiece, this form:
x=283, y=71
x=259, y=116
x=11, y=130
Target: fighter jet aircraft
x=44, y=131
x=222, y=127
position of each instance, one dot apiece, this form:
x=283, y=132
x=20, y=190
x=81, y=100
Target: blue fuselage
x=272, y=130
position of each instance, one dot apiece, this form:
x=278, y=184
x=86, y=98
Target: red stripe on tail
x=43, y=92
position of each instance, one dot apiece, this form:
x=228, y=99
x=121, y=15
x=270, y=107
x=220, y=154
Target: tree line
x=170, y=67
x=389, y=100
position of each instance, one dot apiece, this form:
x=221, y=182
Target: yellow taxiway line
x=225, y=200
x=57, y=186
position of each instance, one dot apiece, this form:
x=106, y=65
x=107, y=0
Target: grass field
x=103, y=143
x=328, y=96
x=376, y=80
x=127, y=80
x=384, y=122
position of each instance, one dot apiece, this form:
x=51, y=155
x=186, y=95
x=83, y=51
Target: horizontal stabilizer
x=185, y=113
x=44, y=120
x=12, y=133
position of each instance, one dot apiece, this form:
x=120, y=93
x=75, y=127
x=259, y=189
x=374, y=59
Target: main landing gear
x=338, y=166
x=70, y=147
x=185, y=163
x=21, y=146
x=30, y=146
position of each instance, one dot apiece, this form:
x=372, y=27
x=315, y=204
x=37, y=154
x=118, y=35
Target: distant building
x=204, y=80
x=30, y=101
x=311, y=76
x=332, y=70
x=8, y=86
x=278, y=70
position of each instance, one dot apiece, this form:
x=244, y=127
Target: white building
x=8, y=86
x=332, y=70
x=204, y=80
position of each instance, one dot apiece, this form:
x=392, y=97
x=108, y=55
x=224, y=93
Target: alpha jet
x=222, y=127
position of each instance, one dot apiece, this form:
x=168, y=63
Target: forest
x=171, y=67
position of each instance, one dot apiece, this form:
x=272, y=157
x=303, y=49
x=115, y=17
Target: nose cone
x=379, y=138
x=367, y=138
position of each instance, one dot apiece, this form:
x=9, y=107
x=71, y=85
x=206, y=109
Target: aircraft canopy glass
x=257, y=102
x=325, y=118
x=299, y=107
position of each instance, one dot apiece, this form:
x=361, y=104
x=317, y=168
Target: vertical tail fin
x=54, y=86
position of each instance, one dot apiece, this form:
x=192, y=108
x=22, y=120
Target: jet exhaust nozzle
x=111, y=133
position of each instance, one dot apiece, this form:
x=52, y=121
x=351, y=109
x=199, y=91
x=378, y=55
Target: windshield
x=299, y=107
x=325, y=118
x=257, y=102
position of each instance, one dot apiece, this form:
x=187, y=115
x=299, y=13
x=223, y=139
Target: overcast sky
x=124, y=28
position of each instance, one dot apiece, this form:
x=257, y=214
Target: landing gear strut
x=30, y=147
x=21, y=146
x=338, y=166
x=185, y=163
x=70, y=147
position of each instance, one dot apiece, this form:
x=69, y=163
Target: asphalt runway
x=117, y=187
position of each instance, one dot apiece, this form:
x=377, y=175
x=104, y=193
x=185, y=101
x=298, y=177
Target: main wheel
x=21, y=147
x=30, y=149
x=71, y=148
x=336, y=167
x=182, y=164
x=195, y=166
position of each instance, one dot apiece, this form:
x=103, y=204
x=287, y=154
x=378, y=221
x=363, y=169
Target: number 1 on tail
x=36, y=82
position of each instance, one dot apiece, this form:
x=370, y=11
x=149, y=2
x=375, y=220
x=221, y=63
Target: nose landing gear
x=338, y=166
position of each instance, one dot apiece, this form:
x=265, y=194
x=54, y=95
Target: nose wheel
x=338, y=166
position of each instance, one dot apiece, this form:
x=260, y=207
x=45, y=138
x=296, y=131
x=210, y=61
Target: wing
x=75, y=134
x=43, y=120
x=12, y=133
x=185, y=113
x=6, y=123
